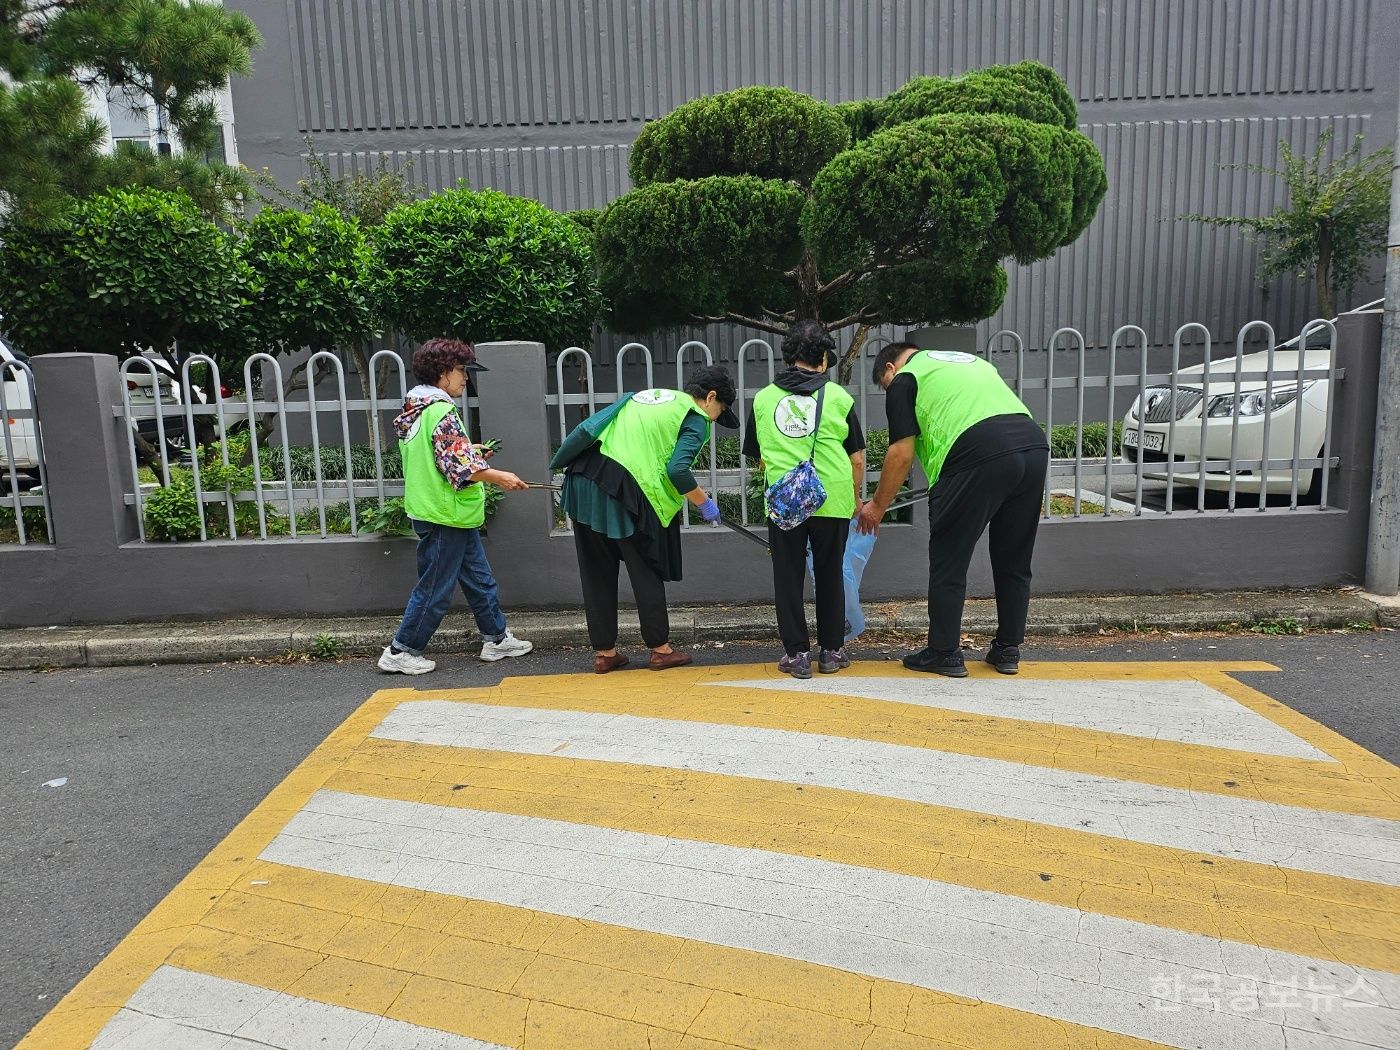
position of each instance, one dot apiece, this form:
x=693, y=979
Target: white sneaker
x=403, y=663
x=507, y=646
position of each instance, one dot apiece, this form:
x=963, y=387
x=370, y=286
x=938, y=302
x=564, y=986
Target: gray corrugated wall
x=542, y=98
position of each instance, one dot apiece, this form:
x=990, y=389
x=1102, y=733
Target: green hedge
x=35, y=524
x=1062, y=440
x=303, y=461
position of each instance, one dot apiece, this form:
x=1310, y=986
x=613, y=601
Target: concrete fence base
x=98, y=572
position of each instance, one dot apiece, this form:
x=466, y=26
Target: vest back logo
x=796, y=415
x=950, y=357
x=654, y=397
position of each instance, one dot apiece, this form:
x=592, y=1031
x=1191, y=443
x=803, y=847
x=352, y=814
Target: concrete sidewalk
x=213, y=642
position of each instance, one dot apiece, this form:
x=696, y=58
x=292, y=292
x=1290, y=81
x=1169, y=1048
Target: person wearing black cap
x=801, y=416
x=443, y=474
x=627, y=473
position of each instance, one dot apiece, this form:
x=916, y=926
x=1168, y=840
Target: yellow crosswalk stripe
x=1344, y=920
x=1285, y=781
x=527, y=979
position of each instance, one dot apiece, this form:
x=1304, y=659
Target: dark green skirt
x=600, y=493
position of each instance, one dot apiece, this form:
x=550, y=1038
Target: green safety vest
x=428, y=496
x=956, y=391
x=641, y=438
x=784, y=423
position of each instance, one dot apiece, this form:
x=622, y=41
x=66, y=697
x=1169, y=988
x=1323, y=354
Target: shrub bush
x=484, y=266
x=122, y=271
x=35, y=524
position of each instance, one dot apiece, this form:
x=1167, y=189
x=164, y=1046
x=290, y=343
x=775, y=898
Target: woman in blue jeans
x=443, y=477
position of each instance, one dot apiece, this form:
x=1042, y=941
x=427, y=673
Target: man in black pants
x=986, y=461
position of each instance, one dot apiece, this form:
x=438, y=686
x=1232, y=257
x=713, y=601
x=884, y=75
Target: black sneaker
x=829, y=661
x=950, y=665
x=1005, y=658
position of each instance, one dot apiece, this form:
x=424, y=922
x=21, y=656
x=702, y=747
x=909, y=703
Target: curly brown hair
x=436, y=357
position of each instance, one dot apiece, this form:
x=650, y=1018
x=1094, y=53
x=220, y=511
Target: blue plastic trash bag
x=858, y=549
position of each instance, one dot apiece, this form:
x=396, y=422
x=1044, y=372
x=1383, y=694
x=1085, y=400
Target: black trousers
x=789, y=549
x=598, y=561
x=1003, y=495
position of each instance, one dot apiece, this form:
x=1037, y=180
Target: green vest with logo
x=642, y=437
x=428, y=496
x=784, y=423
x=956, y=391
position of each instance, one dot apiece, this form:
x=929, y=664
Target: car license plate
x=1151, y=441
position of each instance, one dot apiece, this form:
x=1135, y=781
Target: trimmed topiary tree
x=762, y=206
x=485, y=266
x=120, y=272
x=311, y=269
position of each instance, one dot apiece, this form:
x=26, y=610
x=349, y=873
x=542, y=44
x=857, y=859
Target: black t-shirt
x=992, y=437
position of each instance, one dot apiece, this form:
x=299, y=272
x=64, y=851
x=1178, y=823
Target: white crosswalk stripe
x=1340, y=844
x=1107, y=973
x=179, y=1010
x=1188, y=712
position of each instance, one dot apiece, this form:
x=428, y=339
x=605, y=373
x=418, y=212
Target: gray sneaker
x=799, y=666
x=832, y=660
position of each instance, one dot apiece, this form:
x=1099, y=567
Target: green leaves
x=484, y=266
x=674, y=250
x=311, y=270
x=762, y=205
x=1028, y=90
x=1334, y=221
x=121, y=271
x=771, y=132
x=172, y=53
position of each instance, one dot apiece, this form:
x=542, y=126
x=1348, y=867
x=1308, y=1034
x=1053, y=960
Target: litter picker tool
x=734, y=526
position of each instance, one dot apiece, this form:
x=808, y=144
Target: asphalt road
x=161, y=762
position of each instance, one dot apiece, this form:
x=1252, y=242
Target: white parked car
x=1222, y=408
x=141, y=395
x=23, y=442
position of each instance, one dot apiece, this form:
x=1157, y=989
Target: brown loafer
x=604, y=664
x=666, y=661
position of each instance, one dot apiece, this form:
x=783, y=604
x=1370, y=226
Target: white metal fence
x=1246, y=431
x=25, y=514
x=1239, y=431
x=246, y=478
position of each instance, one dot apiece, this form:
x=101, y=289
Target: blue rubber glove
x=709, y=510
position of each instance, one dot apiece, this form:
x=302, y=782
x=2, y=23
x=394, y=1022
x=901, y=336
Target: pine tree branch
x=748, y=322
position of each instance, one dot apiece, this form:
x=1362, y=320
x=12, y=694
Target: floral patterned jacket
x=453, y=451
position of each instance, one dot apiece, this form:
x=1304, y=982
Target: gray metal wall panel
x=1136, y=264
x=543, y=97
x=394, y=64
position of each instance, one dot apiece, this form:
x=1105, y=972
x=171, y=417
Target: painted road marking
x=1107, y=973
x=528, y=978
x=685, y=864
x=194, y=1011
x=1292, y=911
x=1188, y=712
x=1338, y=843
x=1356, y=782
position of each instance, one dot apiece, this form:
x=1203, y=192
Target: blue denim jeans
x=448, y=556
